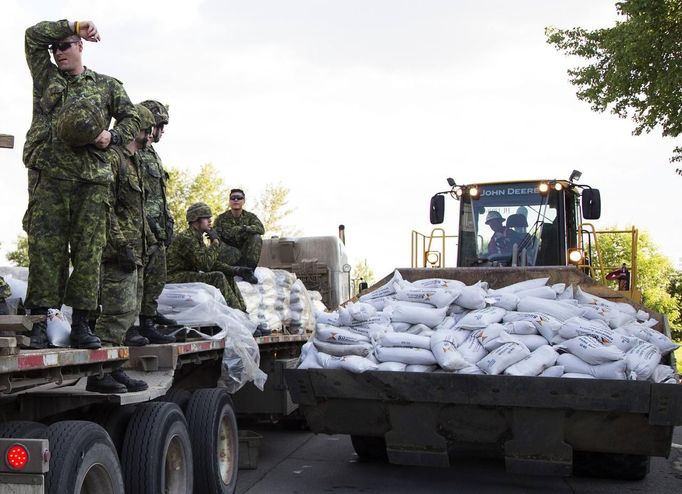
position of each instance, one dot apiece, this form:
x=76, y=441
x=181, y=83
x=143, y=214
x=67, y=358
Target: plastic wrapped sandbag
x=642, y=361
x=404, y=355
x=610, y=370
x=542, y=358
x=481, y=318
x=58, y=329
x=590, y=350
x=391, y=366
x=17, y=286
x=181, y=296
x=361, y=349
x=416, y=313
x=444, y=347
x=499, y=359
x=554, y=371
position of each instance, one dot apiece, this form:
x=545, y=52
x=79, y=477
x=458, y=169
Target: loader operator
x=68, y=173
x=154, y=178
x=128, y=241
x=191, y=260
x=241, y=231
x=503, y=238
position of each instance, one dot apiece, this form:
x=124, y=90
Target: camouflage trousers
x=66, y=222
x=246, y=253
x=154, y=279
x=121, y=297
x=218, y=279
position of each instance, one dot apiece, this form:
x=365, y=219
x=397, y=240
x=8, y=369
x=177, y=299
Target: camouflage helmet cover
x=80, y=122
x=159, y=111
x=146, y=118
x=198, y=210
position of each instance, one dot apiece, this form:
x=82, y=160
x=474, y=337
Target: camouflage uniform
x=121, y=287
x=68, y=202
x=243, y=238
x=154, y=178
x=5, y=291
x=190, y=260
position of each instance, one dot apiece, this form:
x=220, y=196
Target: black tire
x=83, y=460
x=369, y=447
x=215, y=441
x=178, y=396
x=115, y=421
x=610, y=465
x=23, y=429
x=157, y=454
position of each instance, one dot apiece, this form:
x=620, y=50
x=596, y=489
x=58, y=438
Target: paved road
x=297, y=462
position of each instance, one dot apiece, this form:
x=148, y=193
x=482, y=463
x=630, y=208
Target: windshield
x=508, y=215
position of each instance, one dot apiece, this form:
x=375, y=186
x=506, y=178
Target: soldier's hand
x=103, y=140
x=213, y=235
x=127, y=261
x=88, y=31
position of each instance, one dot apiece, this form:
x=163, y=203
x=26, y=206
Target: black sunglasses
x=236, y=198
x=62, y=46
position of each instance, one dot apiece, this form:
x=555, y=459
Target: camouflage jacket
x=189, y=252
x=5, y=291
x=52, y=89
x=154, y=178
x=127, y=224
x=234, y=231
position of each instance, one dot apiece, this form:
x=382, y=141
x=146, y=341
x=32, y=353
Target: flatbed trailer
x=539, y=425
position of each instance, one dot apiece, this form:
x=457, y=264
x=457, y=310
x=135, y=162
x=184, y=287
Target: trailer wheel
x=115, y=421
x=369, y=447
x=610, y=465
x=178, y=396
x=23, y=429
x=83, y=460
x=157, y=454
x=215, y=441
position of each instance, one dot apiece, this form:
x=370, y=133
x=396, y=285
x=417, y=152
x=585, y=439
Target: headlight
x=473, y=191
x=575, y=256
x=543, y=188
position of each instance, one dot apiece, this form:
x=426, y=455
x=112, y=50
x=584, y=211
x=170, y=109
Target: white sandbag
x=437, y=297
x=616, y=318
x=642, y=361
x=499, y=359
x=543, y=292
x=471, y=369
x=624, y=342
x=416, y=329
x=471, y=297
x=331, y=318
x=532, y=341
x=567, y=294
x=548, y=326
x=494, y=336
x=391, y=366
x=664, y=374
x=522, y=285
x=17, y=287
x=471, y=349
x=664, y=344
x=404, y=340
x=507, y=301
x=535, y=363
x=427, y=332
x=627, y=308
x=642, y=316
x=416, y=313
x=590, y=350
x=444, y=347
x=577, y=375
x=351, y=363
x=371, y=331
x=481, y=318
x=610, y=370
x=58, y=329
x=361, y=349
x=448, y=323
x=651, y=323
x=361, y=311
x=589, y=299
x=420, y=368
x=553, y=308
x=456, y=311
x=379, y=303
x=579, y=326
x=634, y=329
x=439, y=283
x=383, y=291
x=308, y=358
x=520, y=327
x=554, y=371
x=338, y=335
x=401, y=327
x=405, y=355
x=559, y=288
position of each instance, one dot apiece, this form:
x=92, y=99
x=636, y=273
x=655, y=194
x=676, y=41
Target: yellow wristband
x=77, y=27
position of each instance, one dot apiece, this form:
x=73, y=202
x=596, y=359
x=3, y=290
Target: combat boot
x=39, y=331
x=105, y=384
x=81, y=335
x=149, y=331
x=131, y=384
x=134, y=338
x=247, y=275
x=162, y=320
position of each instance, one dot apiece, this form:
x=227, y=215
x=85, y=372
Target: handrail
x=422, y=257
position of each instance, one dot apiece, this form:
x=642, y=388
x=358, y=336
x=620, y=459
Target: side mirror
x=437, y=209
x=591, y=203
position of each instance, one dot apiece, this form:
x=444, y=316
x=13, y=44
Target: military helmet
x=80, y=122
x=198, y=210
x=146, y=118
x=159, y=111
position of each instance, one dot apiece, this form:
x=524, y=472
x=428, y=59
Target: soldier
x=68, y=173
x=241, y=231
x=191, y=260
x=123, y=260
x=5, y=293
x=160, y=220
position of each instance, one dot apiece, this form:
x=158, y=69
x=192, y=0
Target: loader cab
x=525, y=223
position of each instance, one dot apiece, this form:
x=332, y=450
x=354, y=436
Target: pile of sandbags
x=525, y=329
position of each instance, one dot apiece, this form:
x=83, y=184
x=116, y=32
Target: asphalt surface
x=299, y=462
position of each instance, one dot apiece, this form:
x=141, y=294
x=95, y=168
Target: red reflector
x=16, y=457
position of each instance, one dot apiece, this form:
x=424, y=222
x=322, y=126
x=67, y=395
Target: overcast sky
x=361, y=108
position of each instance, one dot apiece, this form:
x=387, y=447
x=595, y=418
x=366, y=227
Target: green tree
x=19, y=256
x=271, y=208
x=363, y=271
x=633, y=68
x=185, y=189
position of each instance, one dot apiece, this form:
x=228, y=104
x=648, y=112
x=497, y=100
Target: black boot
x=105, y=384
x=247, y=274
x=134, y=338
x=149, y=331
x=162, y=320
x=39, y=330
x=131, y=384
x=81, y=335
